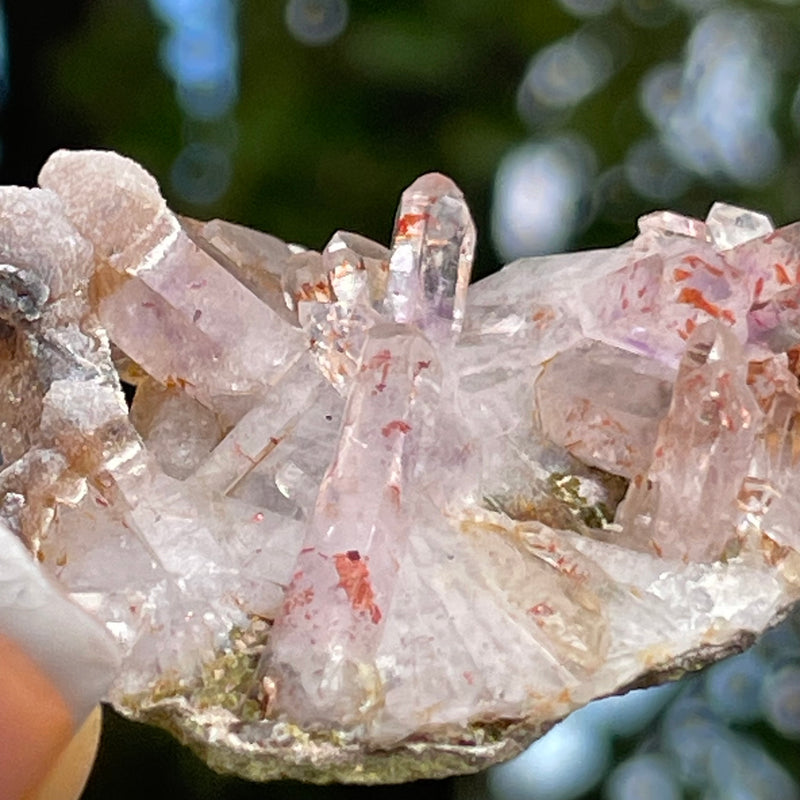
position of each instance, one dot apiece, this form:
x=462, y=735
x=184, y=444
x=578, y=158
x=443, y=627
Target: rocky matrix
x=362, y=524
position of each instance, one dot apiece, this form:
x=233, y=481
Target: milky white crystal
x=360, y=523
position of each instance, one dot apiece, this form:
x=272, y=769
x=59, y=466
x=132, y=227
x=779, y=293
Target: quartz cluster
x=362, y=523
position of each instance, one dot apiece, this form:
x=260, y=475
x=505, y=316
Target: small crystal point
x=668, y=223
x=701, y=455
x=432, y=252
x=354, y=272
x=356, y=265
x=731, y=226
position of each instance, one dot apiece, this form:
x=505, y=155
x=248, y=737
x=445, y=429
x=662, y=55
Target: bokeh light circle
x=643, y=776
x=781, y=700
x=567, y=71
x=201, y=173
x=652, y=173
x=316, y=22
x=733, y=687
x=541, y=196
x=539, y=772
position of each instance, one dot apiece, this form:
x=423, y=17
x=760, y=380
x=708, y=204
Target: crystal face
x=361, y=523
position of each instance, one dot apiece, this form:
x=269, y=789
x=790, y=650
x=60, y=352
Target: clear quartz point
x=355, y=272
x=346, y=575
x=710, y=428
x=358, y=269
x=668, y=223
x=432, y=248
x=730, y=226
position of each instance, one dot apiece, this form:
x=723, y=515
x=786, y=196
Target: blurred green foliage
x=327, y=137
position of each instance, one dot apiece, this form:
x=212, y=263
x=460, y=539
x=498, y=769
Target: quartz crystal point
x=434, y=238
x=355, y=271
x=711, y=424
x=335, y=609
x=358, y=523
x=151, y=275
x=346, y=576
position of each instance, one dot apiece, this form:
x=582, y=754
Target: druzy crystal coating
x=363, y=523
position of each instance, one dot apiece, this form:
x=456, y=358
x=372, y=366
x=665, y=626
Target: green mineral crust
x=361, y=522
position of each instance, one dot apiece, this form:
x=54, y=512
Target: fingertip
x=35, y=722
x=67, y=778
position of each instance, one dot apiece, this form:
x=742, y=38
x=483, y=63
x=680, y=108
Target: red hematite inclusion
x=395, y=425
x=408, y=221
x=297, y=599
x=354, y=579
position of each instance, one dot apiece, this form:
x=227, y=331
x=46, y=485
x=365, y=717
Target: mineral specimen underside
x=362, y=524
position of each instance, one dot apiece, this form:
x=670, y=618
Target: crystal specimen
x=360, y=523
